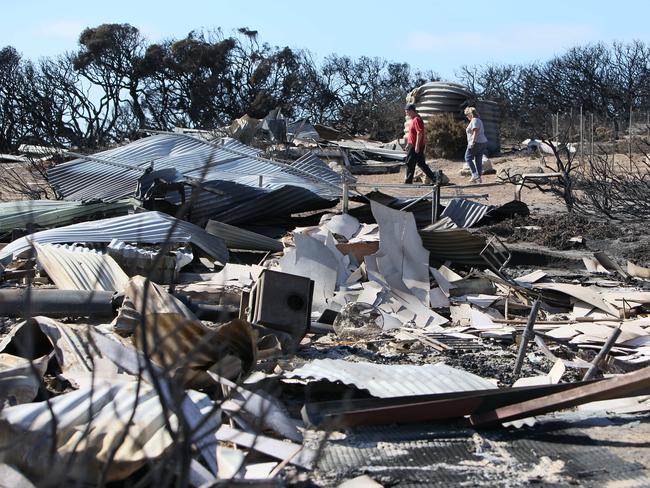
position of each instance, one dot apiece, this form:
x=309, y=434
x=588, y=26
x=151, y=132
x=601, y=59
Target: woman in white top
x=476, y=144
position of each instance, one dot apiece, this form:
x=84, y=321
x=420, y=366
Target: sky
x=429, y=35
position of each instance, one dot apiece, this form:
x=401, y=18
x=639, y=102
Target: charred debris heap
x=188, y=313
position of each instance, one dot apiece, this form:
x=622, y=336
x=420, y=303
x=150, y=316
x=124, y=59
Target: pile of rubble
x=147, y=349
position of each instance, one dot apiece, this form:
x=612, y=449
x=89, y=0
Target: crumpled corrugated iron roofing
x=146, y=227
x=113, y=174
x=394, y=380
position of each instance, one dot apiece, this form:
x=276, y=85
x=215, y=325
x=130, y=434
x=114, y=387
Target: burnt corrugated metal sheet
x=465, y=213
x=113, y=174
x=456, y=245
x=242, y=203
x=236, y=238
x=145, y=227
x=53, y=213
x=76, y=270
x=123, y=426
x=392, y=380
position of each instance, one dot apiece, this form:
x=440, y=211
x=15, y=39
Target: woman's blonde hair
x=471, y=110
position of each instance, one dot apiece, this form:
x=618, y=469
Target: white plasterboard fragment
x=390, y=321
x=391, y=304
x=593, y=329
x=405, y=316
x=344, y=225
x=603, y=330
x=630, y=296
x=449, y=274
x=619, y=302
x=259, y=471
x=481, y=320
x=424, y=315
x=639, y=322
x=565, y=332
x=230, y=462
x=480, y=300
x=581, y=309
x=533, y=277
x=369, y=293
x=461, y=314
x=518, y=424
x=364, y=481
x=618, y=405
x=585, y=340
x=366, y=233
x=632, y=328
x=444, y=284
x=596, y=314
x=342, y=270
x=583, y=293
x=342, y=298
x=532, y=381
x=312, y=259
x=305, y=230
x=506, y=333
x=556, y=372
x=438, y=298
x=401, y=259
x=233, y=273
x=319, y=234
x=593, y=265
x=638, y=271
x=355, y=276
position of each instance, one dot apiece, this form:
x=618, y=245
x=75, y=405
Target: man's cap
x=410, y=106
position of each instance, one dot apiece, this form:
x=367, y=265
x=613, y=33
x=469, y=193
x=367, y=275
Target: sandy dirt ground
x=493, y=191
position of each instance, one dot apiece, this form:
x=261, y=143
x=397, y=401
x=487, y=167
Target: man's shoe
x=473, y=178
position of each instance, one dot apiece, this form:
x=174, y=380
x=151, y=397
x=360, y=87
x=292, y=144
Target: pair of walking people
x=417, y=141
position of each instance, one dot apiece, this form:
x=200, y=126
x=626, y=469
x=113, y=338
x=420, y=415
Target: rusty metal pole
x=595, y=364
x=528, y=332
x=346, y=195
x=435, y=202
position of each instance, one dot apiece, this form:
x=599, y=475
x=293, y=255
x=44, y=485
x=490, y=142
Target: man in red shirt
x=417, y=141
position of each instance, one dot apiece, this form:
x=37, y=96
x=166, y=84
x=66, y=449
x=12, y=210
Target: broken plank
x=619, y=386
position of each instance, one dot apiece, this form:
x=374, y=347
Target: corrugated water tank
x=439, y=97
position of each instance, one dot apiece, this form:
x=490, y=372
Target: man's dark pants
x=412, y=159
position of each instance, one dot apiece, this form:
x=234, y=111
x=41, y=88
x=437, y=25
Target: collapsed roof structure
x=384, y=339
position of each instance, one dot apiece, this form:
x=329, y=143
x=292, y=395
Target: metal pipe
x=346, y=195
x=24, y=302
x=528, y=332
x=436, y=199
x=418, y=199
x=595, y=364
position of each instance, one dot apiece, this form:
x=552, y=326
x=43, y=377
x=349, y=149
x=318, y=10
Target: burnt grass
x=622, y=241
